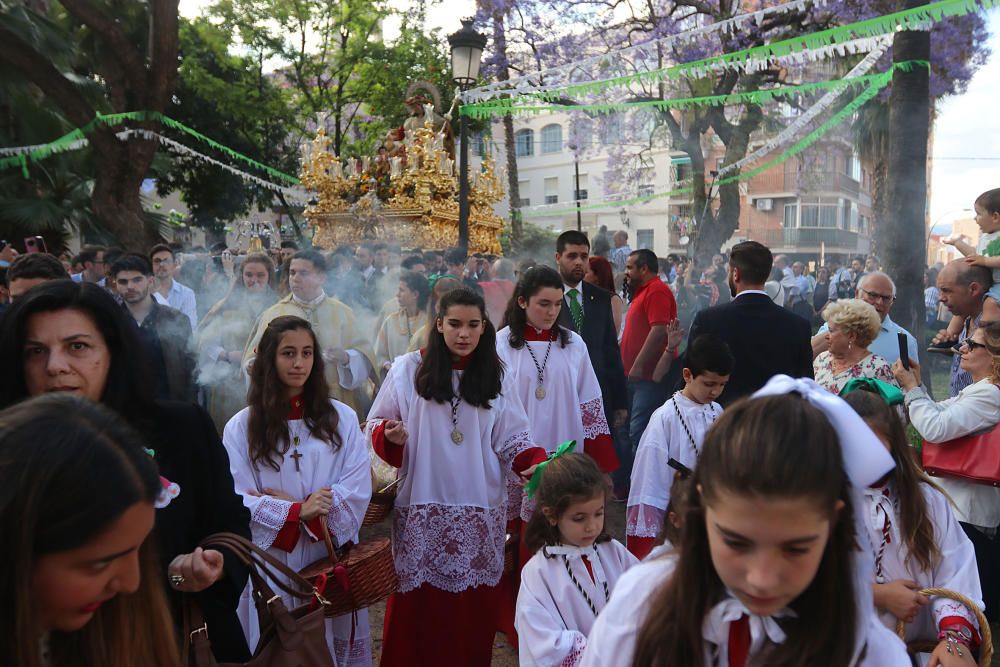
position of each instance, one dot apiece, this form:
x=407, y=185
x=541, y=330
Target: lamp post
x=576, y=190
x=466, y=53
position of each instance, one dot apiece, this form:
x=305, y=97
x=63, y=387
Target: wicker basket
x=928, y=645
x=378, y=508
x=365, y=575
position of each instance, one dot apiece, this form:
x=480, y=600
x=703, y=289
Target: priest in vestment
x=349, y=358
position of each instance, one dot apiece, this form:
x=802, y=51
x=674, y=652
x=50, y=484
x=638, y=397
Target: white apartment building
x=547, y=167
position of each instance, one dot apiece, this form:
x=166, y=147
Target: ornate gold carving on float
x=408, y=194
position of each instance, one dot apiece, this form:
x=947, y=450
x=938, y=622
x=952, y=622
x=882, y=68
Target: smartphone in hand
x=904, y=351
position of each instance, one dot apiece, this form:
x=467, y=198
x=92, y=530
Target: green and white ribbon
x=536, y=478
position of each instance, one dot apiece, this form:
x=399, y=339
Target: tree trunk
x=513, y=186
x=904, y=232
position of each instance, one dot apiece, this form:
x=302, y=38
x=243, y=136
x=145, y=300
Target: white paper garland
x=555, y=78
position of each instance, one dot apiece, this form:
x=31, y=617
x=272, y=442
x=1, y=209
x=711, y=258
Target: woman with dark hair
x=398, y=328
x=223, y=332
x=73, y=337
x=299, y=461
x=600, y=273
x=448, y=418
x=80, y=581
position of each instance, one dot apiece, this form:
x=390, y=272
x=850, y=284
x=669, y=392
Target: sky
x=966, y=126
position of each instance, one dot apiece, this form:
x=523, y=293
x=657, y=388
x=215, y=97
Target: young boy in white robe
x=675, y=431
x=575, y=565
x=768, y=570
x=299, y=461
x=917, y=543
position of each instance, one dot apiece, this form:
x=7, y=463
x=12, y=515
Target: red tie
x=739, y=641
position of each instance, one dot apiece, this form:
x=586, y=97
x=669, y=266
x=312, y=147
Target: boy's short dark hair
x=131, y=262
x=314, y=257
x=34, y=265
x=571, y=237
x=290, y=244
x=160, y=247
x=88, y=253
x=455, y=256
x=990, y=201
x=754, y=261
x=709, y=354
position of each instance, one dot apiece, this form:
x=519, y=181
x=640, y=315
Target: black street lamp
x=576, y=191
x=466, y=53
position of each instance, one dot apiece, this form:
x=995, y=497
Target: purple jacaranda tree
x=534, y=40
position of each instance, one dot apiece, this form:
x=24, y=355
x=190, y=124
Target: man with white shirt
x=168, y=291
x=879, y=290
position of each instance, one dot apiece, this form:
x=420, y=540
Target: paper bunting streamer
x=876, y=84
x=292, y=195
x=837, y=40
x=481, y=111
x=796, y=127
x=555, y=77
x=77, y=138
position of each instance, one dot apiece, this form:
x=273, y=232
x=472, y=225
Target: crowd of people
x=775, y=511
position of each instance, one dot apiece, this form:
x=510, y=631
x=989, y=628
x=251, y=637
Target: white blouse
x=976, y=408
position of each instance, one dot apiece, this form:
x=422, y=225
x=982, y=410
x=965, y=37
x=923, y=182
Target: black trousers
x=988, y=562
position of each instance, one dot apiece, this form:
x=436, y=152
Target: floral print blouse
x=872, y=366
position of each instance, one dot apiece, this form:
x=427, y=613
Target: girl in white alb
x=767, y=569
x=299, y=461
x=917, y=543
x=449, y=419
x=575, y=565
x=552, y=375
x=675, y=431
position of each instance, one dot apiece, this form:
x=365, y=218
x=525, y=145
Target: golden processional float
x=407, y=194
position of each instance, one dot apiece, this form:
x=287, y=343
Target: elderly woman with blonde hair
x=853, y=325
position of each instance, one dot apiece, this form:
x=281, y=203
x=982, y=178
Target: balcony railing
x=773, y=182
x=807, y=237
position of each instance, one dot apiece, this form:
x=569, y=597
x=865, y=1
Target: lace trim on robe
x=595, y=422
x=513, y=446
x=353, y=654
x=267, y=520
x=643, y=520
x=575, y=654
x=450, y=547
x=341, y=521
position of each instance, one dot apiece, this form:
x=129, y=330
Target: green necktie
x=575, y=310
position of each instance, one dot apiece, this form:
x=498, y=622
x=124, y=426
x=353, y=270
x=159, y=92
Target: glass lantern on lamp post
x=466, y=54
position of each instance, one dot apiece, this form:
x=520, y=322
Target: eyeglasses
x=971, y=344
x=875, y=296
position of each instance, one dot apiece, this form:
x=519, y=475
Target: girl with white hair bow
x=768, y=569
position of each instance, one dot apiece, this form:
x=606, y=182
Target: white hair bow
x=865, y=457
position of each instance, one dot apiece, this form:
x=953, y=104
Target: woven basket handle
x=986, y=648
x=328, y=541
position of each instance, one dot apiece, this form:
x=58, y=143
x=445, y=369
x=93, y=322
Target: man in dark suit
x=587, y=311
x=765, y=338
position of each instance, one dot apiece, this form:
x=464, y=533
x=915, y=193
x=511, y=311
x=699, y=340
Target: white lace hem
x=450, y=547
x=268, y=518
x=353, y=654
x=595, y=422
x=643, y=520
x=575, y=654
x=341, y=521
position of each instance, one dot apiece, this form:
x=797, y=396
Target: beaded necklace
x=673, y=399
x=586, y=596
